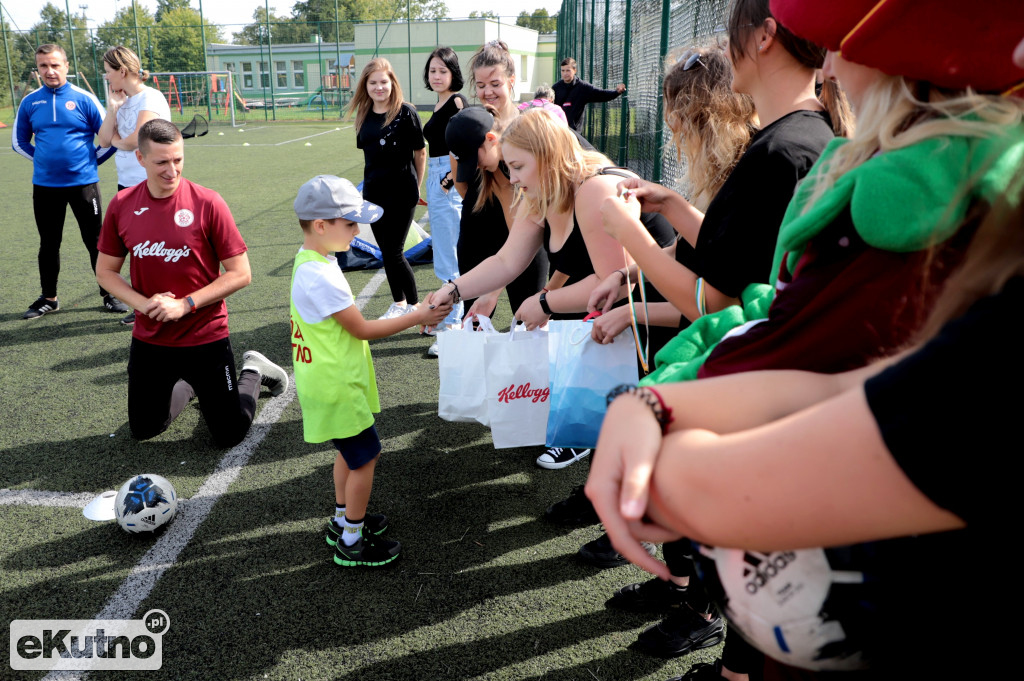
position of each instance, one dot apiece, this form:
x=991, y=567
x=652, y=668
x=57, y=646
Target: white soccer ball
x=787, y=605
x=145, y=503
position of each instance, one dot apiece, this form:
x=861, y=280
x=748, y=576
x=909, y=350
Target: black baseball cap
x=465, y=133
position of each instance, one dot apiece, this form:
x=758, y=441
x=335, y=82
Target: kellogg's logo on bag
x=518, y=392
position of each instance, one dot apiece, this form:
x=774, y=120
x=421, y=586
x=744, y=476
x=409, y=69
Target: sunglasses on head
x=690, y=58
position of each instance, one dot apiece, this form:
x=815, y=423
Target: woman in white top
x=130, y=103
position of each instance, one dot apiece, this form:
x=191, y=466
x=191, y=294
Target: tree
x=538, y=21
x=165, y=6
x=486, y=14
x=121, y=31
x=282, y=29
x=179, y=43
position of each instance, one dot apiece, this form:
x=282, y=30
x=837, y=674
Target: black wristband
x=544, y=303
x=650, y=397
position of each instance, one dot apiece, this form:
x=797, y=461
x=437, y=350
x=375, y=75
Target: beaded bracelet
x=455, y=295
x=650, y=397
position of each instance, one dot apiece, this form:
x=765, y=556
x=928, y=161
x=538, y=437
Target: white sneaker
x=271, y=375
x=395, y=311
x=433, y=349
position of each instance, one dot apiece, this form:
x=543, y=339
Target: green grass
x=483, y=591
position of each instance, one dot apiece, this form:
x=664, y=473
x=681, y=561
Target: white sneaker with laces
x=396, y=311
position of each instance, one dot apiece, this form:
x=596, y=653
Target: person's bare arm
x=370, y=329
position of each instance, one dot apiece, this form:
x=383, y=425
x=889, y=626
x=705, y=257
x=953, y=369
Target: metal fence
x=627, y=41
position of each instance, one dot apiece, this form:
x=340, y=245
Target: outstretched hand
x=606, y=293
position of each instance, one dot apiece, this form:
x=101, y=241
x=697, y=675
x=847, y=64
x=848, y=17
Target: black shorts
x=359, y=450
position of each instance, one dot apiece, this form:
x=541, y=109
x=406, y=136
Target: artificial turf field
x=483, y=590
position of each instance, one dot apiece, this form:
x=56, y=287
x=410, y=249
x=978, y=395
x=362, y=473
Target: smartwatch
x=544, y=303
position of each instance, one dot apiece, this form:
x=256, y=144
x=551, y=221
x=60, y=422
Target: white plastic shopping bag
x=582, y=371
x=517, y=387
x=460, y=361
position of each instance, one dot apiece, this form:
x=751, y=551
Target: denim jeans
x=445, y=211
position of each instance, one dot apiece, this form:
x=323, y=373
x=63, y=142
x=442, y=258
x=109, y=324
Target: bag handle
x=589, y=318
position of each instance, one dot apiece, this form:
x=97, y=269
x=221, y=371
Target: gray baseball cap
x=327, y=197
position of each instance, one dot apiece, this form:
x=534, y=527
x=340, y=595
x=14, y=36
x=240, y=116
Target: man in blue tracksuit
x=63, y=120
x=572, y=94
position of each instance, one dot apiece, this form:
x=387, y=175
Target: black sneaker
x=112, y=304
x=369, y=551
x=575, y=510
x=655, y=595
x=680, y=633
x=560, y=457
x=375, y=523
x=702, y=671
x=602, y=554
x=40, y=307
x=271, y=375
x=129, y=319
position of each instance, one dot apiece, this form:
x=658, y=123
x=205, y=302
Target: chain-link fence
x=627, y=41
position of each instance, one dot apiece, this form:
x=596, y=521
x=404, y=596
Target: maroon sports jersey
x=176, y=244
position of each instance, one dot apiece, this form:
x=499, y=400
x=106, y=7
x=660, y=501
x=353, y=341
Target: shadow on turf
x=472, y=549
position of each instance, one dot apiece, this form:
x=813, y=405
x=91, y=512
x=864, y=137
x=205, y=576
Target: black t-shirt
x=949, y=412
x=736, y=243
x=434, y=128
x=388, y=151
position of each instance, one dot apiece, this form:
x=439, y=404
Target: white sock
x=352, y=533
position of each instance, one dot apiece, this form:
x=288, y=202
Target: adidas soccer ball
x=799, y=607
x=145, y=503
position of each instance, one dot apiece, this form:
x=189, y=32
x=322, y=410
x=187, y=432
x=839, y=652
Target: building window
x=229, y=66
x=246, y=74
x=298, y=74
x=264, y=75
x=282, y=73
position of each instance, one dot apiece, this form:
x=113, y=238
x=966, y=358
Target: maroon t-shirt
x=176, y=244
x=844, y=305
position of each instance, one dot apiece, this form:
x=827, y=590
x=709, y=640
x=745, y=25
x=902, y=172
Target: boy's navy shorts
x=360, y=449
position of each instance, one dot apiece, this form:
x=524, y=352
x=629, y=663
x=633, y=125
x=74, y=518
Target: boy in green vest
x=333, y=369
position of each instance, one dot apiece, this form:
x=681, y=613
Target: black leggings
x=162, y=380
x=50, y=207
x=390, y=232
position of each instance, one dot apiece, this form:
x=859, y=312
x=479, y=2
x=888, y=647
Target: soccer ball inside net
x=145, y=503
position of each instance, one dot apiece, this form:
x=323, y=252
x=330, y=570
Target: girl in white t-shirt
x=130, y=103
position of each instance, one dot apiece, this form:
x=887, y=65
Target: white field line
x=27, y=497
x=325, y=132
x=143, y=577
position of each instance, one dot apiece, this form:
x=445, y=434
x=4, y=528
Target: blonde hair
x=891, y=117
x=488, y=188
x=362, y=105
x=711, y=125
x=995, y=256
x=121, y=57
x=562, y=164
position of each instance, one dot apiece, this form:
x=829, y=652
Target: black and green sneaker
x=375, y=523
x=369, y=551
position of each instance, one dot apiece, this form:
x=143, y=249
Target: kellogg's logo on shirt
x=519, y=392
x=70, y=106
x=160, y=251
x=184, y=217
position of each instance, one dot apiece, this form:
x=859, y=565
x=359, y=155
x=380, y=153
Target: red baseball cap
x=948, y=43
